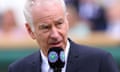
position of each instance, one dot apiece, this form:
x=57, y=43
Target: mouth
x=56, y=44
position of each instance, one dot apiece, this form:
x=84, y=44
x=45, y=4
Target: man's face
x=50, y=27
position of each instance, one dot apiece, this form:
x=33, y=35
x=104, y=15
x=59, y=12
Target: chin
x=56, y=46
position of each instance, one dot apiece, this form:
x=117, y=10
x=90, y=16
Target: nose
x=54, y=33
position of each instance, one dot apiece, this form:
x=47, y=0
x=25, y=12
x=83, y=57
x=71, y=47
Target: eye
x=59, y=22
x=44, y=27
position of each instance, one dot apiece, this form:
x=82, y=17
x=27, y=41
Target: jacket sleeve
x=108, y=64
x=9, y=69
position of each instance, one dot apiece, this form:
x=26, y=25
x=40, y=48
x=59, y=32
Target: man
x=47, y=24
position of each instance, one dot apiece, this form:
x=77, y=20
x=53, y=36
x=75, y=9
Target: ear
x=68, y=16
x=29, y=30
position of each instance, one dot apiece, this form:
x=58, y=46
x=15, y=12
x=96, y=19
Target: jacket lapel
x=73, y=57
x=36, y=62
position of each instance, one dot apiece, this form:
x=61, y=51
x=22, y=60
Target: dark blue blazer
x=80, y=59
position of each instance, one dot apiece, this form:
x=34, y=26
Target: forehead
x=47, y=11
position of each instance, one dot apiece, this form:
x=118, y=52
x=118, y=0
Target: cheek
x=42, y=38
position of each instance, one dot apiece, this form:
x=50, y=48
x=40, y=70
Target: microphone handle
x=57, y=70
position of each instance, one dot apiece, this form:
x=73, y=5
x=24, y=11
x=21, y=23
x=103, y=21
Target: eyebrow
x=59, y=20
x=43, y=24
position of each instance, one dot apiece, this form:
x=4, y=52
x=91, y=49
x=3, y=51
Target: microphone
x=56, y=58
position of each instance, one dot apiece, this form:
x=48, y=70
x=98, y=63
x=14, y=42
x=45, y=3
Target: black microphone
x=56, y=58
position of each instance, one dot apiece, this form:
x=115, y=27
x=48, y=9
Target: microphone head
x=56, y=57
